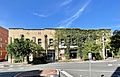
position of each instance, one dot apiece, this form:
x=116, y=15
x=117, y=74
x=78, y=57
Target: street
x=73, y=69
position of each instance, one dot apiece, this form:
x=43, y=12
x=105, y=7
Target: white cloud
x=66, y=23
x=66, y=2
x=40, y=15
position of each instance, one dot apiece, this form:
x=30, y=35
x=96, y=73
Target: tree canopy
x=23, y=47
x=115, y=42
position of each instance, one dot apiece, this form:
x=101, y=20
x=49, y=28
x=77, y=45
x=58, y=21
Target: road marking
x=22, y=68
x=67, y=74
x=110, y=65
x=118, y=64
x=11, y=65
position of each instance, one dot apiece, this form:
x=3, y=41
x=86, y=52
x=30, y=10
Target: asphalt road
x=70, y=69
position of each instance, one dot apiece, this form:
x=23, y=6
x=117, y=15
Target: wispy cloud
x=66, y=23
x=65, y=2
x=40, y=15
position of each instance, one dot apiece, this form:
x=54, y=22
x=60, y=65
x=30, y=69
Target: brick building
x=3, y=42
x=46, y=38
x=43, y=37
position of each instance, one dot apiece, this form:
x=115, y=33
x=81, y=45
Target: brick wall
x=3, y=42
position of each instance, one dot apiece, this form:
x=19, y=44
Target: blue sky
x=85, y=14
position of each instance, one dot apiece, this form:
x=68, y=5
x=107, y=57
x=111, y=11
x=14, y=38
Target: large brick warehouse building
x=3, y=42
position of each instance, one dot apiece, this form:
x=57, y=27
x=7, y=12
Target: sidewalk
x=93, y=61
x=6, y=64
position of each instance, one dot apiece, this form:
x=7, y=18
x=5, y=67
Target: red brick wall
x=4, y=42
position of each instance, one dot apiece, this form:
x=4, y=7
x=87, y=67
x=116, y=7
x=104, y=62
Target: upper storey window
x=34, y=39
x=51, y=42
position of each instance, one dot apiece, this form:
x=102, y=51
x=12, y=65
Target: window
x=0, y=53
x=0, y=39
x=51, y=42
x=39, y=42
x=0, y=45
x=34, y=39
x=62, y=42
x=74, y=41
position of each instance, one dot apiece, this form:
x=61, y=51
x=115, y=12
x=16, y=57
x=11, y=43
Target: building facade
x=47, y=39
x=77, y=40
x=3, y=43
x=43, y=37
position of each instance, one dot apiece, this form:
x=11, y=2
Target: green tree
x=21, y=48
x=115, y=43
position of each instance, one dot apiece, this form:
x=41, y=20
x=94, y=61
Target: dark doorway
x=73, y=54
x=108, y=53
x=51, y=56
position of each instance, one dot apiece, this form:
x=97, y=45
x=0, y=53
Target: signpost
x=90, y=58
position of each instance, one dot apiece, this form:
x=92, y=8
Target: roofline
x=3, y=28
x=25, y=29
x=58, y=29
x=44, y=28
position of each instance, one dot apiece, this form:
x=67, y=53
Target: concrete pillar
x=9, y=58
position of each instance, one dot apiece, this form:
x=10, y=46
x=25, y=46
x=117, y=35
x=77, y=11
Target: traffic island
x=39, y=73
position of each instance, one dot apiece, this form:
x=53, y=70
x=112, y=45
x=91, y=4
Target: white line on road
x=80, y=75
x=22, y=68
x=118, y=64
x=67, y=74
x=11, y=65
x=110, y=65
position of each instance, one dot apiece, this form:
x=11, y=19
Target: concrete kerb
x=10, y=65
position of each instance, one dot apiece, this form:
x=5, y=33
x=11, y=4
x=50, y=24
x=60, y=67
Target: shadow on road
x=33, y=73
x=116, y=73
x=8, y=74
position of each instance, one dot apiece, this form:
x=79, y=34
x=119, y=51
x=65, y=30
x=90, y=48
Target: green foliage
x=84, y=39
x=22, y=48
x=67, y=53
x=115, y=42
x=98, y=56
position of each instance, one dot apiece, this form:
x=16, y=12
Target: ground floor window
x=51, y=55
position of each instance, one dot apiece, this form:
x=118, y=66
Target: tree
x=115, y=42
x=23, y=48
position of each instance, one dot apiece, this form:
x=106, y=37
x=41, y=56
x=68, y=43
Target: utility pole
x=90, y=67
x=103, y=44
